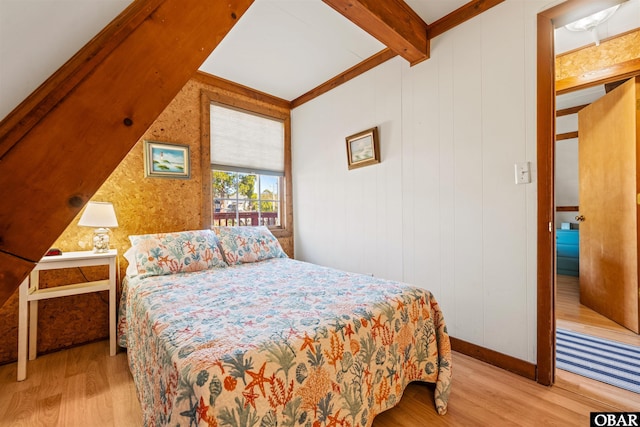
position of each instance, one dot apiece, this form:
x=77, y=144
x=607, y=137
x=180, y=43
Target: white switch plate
x=523, y=173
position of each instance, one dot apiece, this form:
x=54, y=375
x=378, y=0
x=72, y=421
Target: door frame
x=548, y=20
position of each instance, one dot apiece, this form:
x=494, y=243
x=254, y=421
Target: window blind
x=246, y=142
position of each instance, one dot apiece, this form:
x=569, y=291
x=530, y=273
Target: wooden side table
x=30, y=294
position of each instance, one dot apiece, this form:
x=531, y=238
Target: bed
x=223, y=329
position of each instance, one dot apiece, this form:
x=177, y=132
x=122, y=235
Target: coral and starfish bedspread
x=279, y=343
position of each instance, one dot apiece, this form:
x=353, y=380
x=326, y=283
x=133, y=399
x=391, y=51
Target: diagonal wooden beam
x=392, y=22
x=460, y=15
x=353, y=72
x=15, y=125
x=56, y=160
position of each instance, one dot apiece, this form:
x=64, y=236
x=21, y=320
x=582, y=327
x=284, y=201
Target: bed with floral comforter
x=277, y=342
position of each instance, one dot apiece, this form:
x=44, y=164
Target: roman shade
x=246, y=142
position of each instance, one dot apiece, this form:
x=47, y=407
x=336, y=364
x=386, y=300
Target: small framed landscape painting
x=165, y=160
x=363, y=148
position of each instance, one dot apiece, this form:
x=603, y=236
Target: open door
x=608, y=173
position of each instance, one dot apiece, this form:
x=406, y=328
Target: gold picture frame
x=363, y=148
x=165, y=160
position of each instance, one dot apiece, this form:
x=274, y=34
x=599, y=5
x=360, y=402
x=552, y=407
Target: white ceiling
x=281, y=47
x=626, y=18
x=258, y=51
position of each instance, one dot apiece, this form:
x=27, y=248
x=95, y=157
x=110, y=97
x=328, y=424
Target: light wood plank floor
x=85, y=387
x=573, y=316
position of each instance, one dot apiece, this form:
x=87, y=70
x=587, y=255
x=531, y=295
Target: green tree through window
x=245, y=199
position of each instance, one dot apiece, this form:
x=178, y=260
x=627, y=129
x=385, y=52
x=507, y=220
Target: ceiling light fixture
x=590, y=23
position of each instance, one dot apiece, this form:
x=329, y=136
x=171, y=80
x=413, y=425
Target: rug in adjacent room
x=603, y=360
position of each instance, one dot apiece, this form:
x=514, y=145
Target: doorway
x=546, y=322
x=596, y=168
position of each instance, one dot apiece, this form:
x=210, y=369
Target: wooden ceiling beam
x=604, y=75
x=353, y=72
x=392, y=22
x=570, y=110
x=460, y=15
x=58, y=158
x=19, y=121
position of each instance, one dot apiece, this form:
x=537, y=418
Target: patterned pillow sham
x=169, y=253
x=248, y=244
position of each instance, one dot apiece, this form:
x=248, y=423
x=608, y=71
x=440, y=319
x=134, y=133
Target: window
x=245, y=199
x=247, y=167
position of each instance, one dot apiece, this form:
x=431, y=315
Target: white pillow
x=130, y=256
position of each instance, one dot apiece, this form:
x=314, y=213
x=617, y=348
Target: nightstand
x=30, y=294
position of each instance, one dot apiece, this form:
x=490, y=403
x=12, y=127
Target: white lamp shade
x=99, y=214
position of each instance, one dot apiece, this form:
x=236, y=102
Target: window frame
x=259, y=200
x=251, y=106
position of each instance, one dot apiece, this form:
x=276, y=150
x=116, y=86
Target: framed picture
x=164, y=160
x=363, y=148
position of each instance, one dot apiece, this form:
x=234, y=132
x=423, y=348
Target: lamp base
x=101, y=240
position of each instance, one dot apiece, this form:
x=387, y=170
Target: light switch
x=523, y=173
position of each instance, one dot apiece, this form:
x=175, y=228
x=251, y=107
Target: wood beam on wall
x=455, y=18
x=55, y=88
x=241, y=90
x=567, y=208
x=364, y=66
x=392, y=22
x=52, y=168
x=460, y=15
x=20, y=268
x=570, y=110
x=567, y=135
x=613, y=73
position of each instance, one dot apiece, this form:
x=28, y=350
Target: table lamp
x=101, y=216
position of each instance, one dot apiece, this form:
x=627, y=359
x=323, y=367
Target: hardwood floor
x=85, y=387
x=82, y=386
x=573, y=316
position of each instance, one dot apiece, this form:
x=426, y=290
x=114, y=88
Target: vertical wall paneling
x=421, y=177
x=308, y=178
x=388, y=200
x=468, y=180
x=410, y=134
x=444, y=111
x=504, y=290
x=446, y=214
x=530, y=24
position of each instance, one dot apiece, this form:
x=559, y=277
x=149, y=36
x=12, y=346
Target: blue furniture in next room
x=568, y=252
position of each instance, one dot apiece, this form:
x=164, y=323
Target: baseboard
x=509, y=363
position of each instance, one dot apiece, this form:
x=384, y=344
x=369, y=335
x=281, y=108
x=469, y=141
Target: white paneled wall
x=362, y=208
x=566, y=184
x=442, y=210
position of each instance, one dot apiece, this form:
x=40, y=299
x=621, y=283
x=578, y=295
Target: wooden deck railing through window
x=245, y=218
